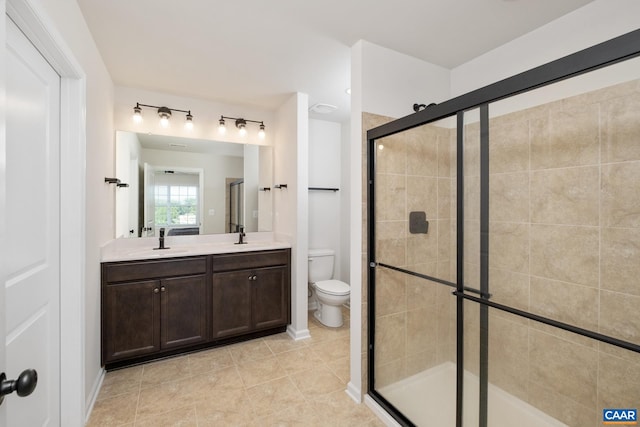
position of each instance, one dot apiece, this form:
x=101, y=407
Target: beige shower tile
x=260, y=371
x=619, y=316
x=209, y=360
x=422, y=151
x=391, y=193
x=391, y=242
x=422, y=195
x=114, y=411
x=618, y=382
x=471, y=197
x=389, y=373
x=274, y=396
x=390, y=337
x=509, y=146
x=183, y=417
x=621, y=129
x=509, y=246
x=471, y=155
x=566, y=137
x=444, y=198
x=444, y=239
x=567, y=368
x=573, y=304
x=509, y=288
x=621, y=195
x=562, y=408
x=423, y=248
x=566, y=196
x=620, y=260
x=165, y=371
x=393, y=157
x=421, y=333
x=509, y=197
x=418, y=362
x=509, y=356
x=317, y=382
x=250, y=350
x=565, y=253
x=390, y=291
x=445, y=154
x=421, y=293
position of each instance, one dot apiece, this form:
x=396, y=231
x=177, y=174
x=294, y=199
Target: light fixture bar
x=164, y=113
x=241, y=124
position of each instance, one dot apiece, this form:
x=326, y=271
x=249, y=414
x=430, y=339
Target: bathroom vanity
x=156, y=303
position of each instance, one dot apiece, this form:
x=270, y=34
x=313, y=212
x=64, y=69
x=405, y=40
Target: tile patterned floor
x=272, y=381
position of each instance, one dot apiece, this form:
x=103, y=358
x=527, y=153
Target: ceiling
x=257, y=52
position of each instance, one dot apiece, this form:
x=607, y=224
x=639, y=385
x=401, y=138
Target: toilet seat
x=333, y=287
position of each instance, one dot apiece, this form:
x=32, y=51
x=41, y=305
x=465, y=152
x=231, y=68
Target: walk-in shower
x=504, y=249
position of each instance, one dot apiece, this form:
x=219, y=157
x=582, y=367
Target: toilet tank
x=320, y=264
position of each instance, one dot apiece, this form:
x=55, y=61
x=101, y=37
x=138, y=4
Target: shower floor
x=429, y=399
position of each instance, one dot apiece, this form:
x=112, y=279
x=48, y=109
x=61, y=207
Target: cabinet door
x=184, y=311
x=231, y=303
x=132, y=320
x=271, y=297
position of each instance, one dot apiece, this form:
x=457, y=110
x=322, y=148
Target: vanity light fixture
x=241, y=124
x=164, y=113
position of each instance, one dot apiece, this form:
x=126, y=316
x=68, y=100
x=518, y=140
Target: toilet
x=331, y=294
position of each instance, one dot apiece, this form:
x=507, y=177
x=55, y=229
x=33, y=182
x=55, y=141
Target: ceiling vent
x=322, y=108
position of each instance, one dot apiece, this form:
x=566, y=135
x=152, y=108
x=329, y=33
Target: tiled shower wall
x=564, y=243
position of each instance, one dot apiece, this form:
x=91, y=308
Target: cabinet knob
x=156, y=290
x=254, y=277
x=162, y=289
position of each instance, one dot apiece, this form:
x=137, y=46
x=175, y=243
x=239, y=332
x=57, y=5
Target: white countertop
x=180, y=246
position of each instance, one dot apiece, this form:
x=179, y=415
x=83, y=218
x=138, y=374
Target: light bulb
x=188, y=124
x=242, y=131
x=164, y=121
x=137, y=114
x=261, y=133
x=221, y=127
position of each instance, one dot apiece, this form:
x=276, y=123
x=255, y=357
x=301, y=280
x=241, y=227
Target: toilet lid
x=333, y=287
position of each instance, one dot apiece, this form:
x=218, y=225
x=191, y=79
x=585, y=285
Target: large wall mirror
x=191, y=186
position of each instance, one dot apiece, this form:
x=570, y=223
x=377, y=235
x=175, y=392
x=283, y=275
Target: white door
x=149, y=201
x=30, y=254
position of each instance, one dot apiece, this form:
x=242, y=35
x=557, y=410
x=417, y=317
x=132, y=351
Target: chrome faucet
x=241, y=236
x=161, y=241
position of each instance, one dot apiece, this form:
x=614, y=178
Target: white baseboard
x=298, y=335
x=354, y=392
x=95, y=390
x=380, y=413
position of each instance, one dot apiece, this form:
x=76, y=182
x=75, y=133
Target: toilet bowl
x=330, y=294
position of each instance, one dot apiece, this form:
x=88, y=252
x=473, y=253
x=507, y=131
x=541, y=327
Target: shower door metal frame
x=601, y=55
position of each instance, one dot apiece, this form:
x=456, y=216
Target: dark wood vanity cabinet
x=150, y=307
x=250, y=292
x=154, y=308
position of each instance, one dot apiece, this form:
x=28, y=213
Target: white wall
x=392, y=82
x=291, y=157
x=325, y=170
x=594, y=23
x=100, y=215
x=345, y=201
x=126, y=169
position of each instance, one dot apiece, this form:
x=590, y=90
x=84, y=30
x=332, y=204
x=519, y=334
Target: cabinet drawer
x=125, y=271
x=250, y=260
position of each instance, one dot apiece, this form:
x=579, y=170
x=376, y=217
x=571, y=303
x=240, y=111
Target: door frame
x=42, y=33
